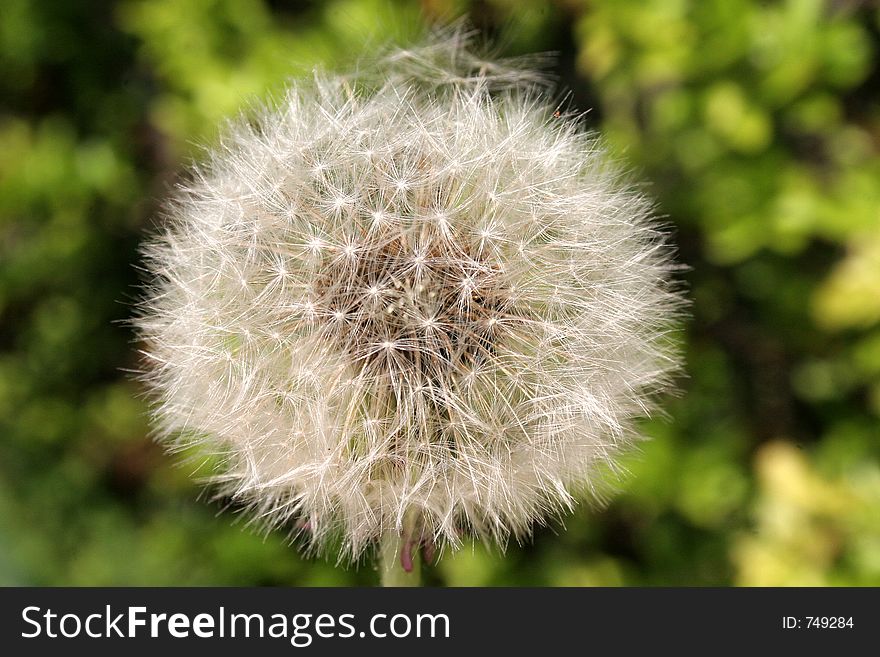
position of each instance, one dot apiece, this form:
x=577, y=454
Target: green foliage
x=757, y=125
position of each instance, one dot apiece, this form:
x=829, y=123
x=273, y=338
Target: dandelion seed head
x=409, y=293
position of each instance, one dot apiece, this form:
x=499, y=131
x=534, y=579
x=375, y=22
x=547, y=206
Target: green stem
x=390, y=561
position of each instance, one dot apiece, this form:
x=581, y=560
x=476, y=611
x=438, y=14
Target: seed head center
x=428, y=313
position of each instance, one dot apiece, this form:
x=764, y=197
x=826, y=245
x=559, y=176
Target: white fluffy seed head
x=413, y=293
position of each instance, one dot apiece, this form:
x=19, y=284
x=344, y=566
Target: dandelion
x=407, y=305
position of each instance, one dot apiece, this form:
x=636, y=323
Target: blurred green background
x=756, y=125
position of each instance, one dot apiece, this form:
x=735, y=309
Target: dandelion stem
x=400, y=559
